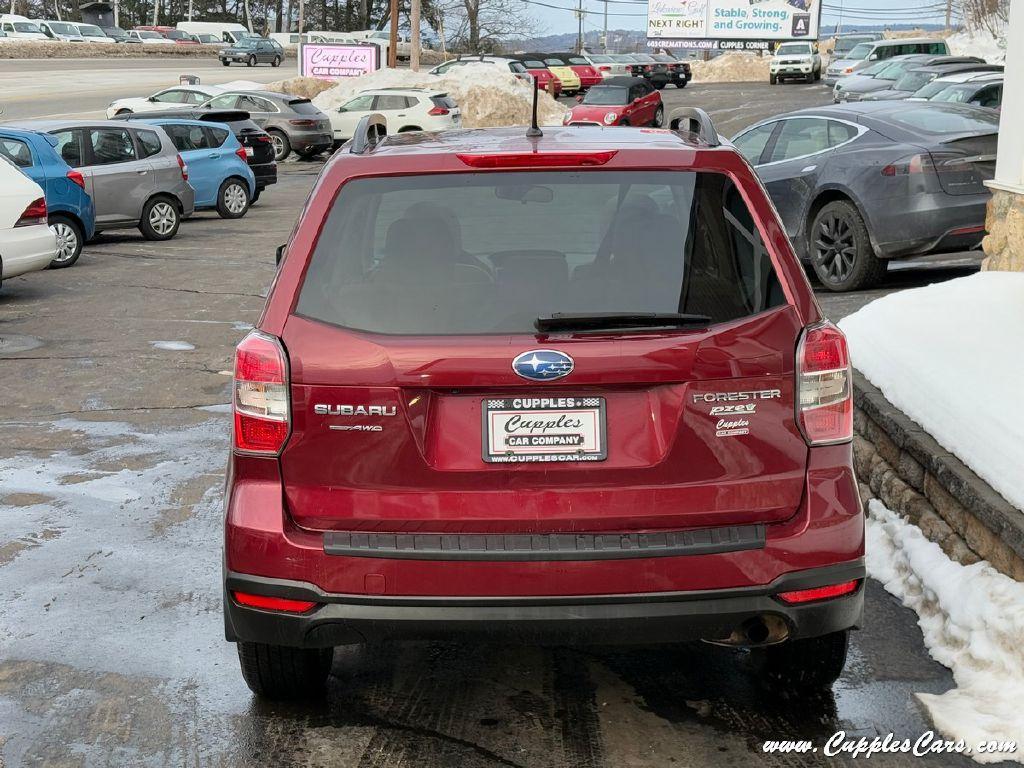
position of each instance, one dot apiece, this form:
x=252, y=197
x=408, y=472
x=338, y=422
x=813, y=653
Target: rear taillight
x=183, y=168
x=262, y=138
x=262, y=416
x=75, y=177
x=819, y=593
x=267, y=603
x=438, y=111
x=824, y=382
x=33, y=215
x=303, y=123
x=243, y=154
x=605, y=69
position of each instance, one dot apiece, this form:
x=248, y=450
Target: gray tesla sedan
x=133, y=173
x=859, y=184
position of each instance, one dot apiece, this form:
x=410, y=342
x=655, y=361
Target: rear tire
x=276, y=672
x=282, y=147
x=808, y=664
x=659, y=117
x=773, y=79
x=70, y=240
x=226, y=63
x=233, y=199
x=840, y=249
x=276, y=62
x=817, y=75
x=251, y=61
x=160, y=218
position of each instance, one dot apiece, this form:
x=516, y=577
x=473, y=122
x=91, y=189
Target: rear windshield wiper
x=562, y=321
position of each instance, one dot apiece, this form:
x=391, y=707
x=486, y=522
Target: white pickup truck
x=795, y=60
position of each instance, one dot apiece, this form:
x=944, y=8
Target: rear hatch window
x=304, y=107
x=453, y=254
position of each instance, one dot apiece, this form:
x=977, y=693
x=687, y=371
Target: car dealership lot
x=113, y=438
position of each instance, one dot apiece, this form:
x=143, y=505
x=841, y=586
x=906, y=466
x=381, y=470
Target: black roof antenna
x=534, y=131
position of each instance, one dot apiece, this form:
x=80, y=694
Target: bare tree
x=477, y=26
x=991, y=16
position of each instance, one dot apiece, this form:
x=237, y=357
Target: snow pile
x=306, y=87
x=980, y=43
x=731, y=68
x=486, y=96
x=949, y=356
x=972, y=618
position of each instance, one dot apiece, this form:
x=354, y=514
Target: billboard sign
x=333, y=61
x=733, y=21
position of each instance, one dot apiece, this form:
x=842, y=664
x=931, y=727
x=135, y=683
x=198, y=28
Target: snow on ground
x=486, y=96
x=979, y=43
x=948, y=356
x=731, y=68
x=972, y=618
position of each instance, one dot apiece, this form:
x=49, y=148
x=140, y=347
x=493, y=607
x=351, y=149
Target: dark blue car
x=71, y=213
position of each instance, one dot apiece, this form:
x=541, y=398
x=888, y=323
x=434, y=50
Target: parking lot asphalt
x=113, y=438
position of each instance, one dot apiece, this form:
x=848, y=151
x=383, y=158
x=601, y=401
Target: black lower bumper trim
x=544, y=547
x=631, y=619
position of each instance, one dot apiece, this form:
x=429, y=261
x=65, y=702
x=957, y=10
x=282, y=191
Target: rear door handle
x=214, y=155
x=808, y=169
x=142, y=173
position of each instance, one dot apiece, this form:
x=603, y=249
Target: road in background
x=57, y=88
x=113, y=438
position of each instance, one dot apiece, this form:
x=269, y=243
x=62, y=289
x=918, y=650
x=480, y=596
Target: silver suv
x=133, y=173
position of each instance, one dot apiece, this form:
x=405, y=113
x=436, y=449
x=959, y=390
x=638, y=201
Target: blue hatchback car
x=71, y=213
x=217, y=166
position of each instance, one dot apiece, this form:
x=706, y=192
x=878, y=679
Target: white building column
x=1004, y=245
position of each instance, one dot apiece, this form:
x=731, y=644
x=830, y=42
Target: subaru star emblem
x=542, y=365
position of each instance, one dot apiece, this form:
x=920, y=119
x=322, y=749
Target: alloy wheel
x=278, y=145
x=162, y=218
x=835, y=248
x=234, y=198
x=67, y=242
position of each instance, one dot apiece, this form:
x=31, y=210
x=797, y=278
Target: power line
x=577, y=10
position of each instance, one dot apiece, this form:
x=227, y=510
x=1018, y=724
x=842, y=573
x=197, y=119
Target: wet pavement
x=112, y=449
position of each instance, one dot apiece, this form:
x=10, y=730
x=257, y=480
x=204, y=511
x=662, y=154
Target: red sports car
x=587, y=73
x=546, y=79
x=619, y=101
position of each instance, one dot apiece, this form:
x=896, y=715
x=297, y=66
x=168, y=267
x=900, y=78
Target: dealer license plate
x=535, y=429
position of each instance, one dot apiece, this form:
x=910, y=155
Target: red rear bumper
x=261, y=541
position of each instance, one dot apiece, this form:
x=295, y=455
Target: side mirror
x=579, y=99
x=279, y=253
x=873, y=57
x=342, y=109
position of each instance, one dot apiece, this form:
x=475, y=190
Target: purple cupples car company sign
x=330, y=61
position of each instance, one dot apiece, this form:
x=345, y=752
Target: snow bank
x=306, y=87
x=979, y=43
x=949, y=356
x=731, y=68
x=487, y=97
x=972, y=618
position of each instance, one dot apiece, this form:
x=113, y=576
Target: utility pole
x=302, y=14
x=117, y=13
x=949, y=12
x=604, y=41
x=156, y=12
x=190, y=10
x=579, y=33
x=414, y=36
x=839, y=24
x=393, y=39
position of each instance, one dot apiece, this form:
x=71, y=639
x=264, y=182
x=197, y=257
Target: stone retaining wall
x=903, y=466
x=1004, y=243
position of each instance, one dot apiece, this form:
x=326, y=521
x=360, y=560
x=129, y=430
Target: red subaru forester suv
x=543, y=388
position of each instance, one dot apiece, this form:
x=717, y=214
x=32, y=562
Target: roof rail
x=694, y=120
x=371, y=130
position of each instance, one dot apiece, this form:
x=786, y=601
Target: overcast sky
x=550, y=21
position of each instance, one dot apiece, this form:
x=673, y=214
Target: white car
x=501, y=63
x=405, y=109
x=177, y=97
x=149, y=37
x=793, y=60
x=26, y=241
x=64, y=31
x=93, y=34
x=606, y=65
x=20, y=28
